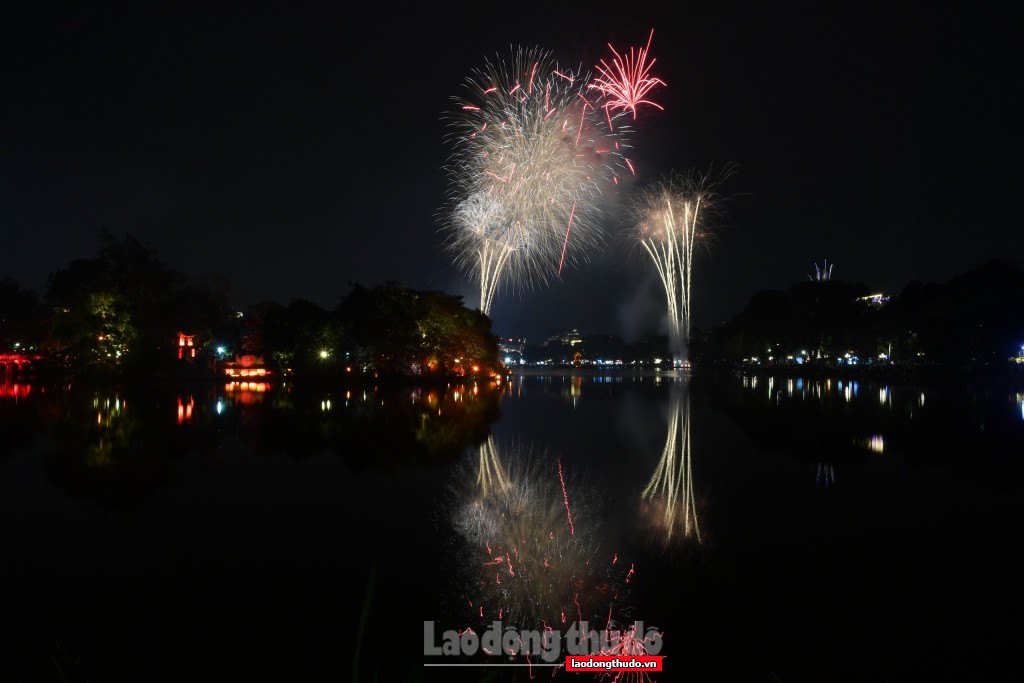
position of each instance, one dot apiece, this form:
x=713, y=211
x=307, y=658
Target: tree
x=123, y=308
x=301, y=336
x=406, y=332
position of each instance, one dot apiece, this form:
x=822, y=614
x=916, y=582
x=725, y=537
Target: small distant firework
x=826, y=474
x=822, y=274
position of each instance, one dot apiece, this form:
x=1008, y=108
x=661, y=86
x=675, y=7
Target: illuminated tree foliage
x=122, y=309
x=300, y=336
x=413, y=333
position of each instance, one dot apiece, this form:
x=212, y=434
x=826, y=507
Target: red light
x=15, y=390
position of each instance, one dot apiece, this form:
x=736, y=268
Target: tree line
x=121, y=312
x=973, y=321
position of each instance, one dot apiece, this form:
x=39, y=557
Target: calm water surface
x=771, y=528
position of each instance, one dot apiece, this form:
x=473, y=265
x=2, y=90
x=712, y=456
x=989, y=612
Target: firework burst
x=821, y=274
x=669, y=220
x=626, y=83
x=532, y=159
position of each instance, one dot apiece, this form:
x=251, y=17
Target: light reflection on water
x=668, y=501
x=741, y=504
x=790, y=477
x=530, y=552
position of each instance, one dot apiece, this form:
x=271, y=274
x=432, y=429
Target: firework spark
x=565, y=496
x=628, y=644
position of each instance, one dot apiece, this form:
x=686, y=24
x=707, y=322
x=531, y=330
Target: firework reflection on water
x=529, y=549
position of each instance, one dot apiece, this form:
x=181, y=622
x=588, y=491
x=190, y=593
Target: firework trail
x=532, y=156
x=565, y=496
x=491, y=477
x=669, y=218
x=565, y=244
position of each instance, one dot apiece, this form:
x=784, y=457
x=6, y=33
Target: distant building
x=13, y=365
x=245, y=366
x=878, y=300
x=511, y=351
x=186, y=346
x=510, y=345
x=569, y=338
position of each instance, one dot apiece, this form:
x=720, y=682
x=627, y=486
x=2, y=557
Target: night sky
x=288, y=152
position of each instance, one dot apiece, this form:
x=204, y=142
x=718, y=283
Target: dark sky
x=291, y=150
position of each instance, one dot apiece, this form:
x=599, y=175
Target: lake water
x=768, y=528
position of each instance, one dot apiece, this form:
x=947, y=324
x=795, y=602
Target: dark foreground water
x=774, y=529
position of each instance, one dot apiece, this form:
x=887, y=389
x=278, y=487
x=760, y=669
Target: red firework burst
x=627, y=81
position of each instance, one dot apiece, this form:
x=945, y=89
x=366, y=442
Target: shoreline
x=931, y=375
